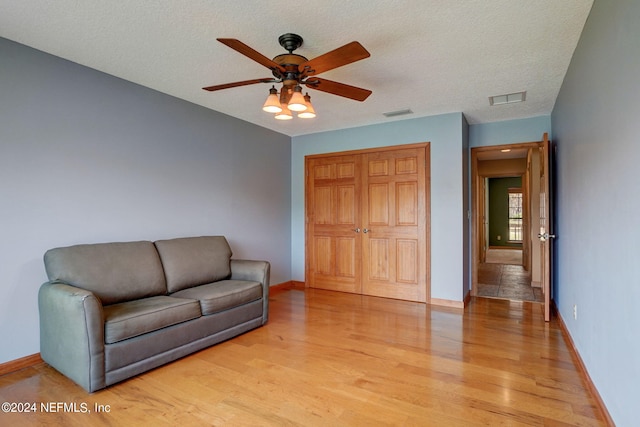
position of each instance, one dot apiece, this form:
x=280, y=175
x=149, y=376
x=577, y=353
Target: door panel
x=322, y=201
x=407, y=203
x=407, y=254
x=346, y=204
x=345, y=257
x=378, y=204
x=378, y=250
x=406, y=165
x=379, y=167
x=323, y=252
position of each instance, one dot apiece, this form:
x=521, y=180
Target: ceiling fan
x=293, y=71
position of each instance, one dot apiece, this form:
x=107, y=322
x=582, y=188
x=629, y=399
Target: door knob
x=357, y=230
x=546, y=236
x=366, y=230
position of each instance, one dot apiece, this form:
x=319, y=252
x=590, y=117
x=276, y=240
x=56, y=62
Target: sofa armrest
x=257, y=271
x=72, y=333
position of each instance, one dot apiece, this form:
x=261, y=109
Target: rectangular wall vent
x=397, y=113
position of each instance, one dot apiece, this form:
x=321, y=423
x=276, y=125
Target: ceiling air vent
x=509, y=98
x=397, y=113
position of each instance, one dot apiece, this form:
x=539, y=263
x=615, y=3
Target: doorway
x=503, y=276
x=506, y=259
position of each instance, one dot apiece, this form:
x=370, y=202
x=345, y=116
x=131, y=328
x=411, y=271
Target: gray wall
x=447, y=135
x=86, y=157
x=597, y=136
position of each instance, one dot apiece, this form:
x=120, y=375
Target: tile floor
x=507, y=282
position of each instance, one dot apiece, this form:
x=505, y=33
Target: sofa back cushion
x=115, y=272
x=193, y=261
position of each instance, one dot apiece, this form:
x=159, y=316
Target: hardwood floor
x=332, y=359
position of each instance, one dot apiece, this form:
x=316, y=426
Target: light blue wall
x=466, y=209
x=509, y=131
x=596, y=128
x=86, y=157
x=445, y=133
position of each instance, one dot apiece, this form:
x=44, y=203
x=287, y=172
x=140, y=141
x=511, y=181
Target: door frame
x=477, y=205
x=427, y=202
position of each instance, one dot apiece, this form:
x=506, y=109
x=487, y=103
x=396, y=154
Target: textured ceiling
x=431, y=56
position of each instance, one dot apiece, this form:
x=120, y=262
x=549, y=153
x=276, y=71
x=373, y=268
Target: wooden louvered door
x=367, y=223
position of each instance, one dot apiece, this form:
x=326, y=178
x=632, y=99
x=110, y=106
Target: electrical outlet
x=499, y=237
x=575, y=312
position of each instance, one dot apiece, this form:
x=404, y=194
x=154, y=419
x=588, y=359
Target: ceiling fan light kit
x=300, y=104
x=293, y=71
x=285, y=114
x=309, y=113
x=296, y=103
x=272, y=104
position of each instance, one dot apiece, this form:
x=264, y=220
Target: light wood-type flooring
x=335, y=359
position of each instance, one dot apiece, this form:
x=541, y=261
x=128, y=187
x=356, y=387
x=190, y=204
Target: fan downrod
x=290, y=41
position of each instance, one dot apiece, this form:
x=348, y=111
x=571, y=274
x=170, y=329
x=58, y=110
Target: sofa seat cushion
x=129, y=319
x=222, y=295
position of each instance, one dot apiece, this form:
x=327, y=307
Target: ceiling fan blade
x=249, y=52
x=236, y=84
x=344, y=55
x=339, y=89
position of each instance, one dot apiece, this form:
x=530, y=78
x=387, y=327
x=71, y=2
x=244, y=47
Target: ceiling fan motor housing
x=290, y=62
x=290, y=42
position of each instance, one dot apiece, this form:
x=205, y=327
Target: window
x=515, y=214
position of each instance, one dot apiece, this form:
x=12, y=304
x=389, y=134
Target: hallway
x=503, y=276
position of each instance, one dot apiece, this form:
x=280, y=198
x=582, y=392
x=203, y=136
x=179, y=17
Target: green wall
x=499, y=210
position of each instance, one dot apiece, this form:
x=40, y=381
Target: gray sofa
x=113, y=310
